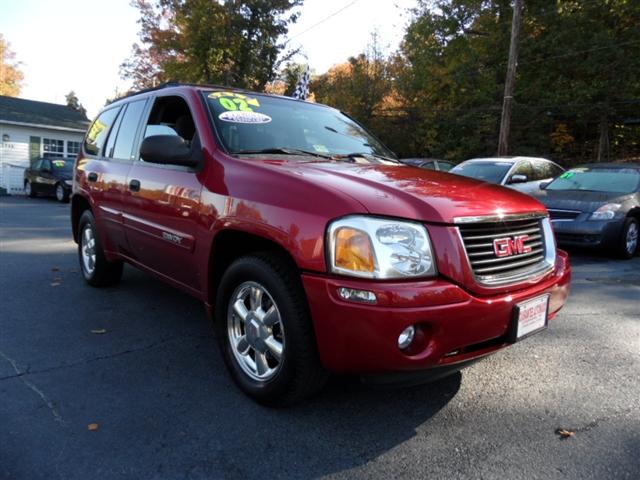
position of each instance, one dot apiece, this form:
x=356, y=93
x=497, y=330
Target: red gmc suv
x=312, y=247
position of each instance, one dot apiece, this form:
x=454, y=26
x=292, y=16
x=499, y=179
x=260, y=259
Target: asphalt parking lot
x=140, y=363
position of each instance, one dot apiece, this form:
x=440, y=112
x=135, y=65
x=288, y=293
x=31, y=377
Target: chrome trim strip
x=499, y=218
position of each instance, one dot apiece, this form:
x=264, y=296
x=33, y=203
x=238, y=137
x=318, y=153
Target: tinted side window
x=555, y=170
x=108, y=149
x=46, y=165
x=445, y=166
x=524, y=168
x=98, y=131
x=428, y=165
x=37, y=165
x=127, y=130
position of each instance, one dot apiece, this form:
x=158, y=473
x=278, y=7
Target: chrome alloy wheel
x=255, y=330
x=88, y=248
x=59, y=193
x=632, y=238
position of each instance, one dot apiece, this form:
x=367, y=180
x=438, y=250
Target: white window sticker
x=244, y=117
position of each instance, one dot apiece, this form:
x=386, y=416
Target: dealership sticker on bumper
x=531, y=316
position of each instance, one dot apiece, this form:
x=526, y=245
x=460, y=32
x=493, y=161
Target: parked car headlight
x=69, y=182
x=382, y=248
x=605, y=212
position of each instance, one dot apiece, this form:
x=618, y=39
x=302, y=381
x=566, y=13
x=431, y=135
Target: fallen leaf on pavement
x=93, y=426
x=564, y=433
x=99, y=331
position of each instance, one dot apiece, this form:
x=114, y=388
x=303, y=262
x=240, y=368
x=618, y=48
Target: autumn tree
x=232, y=42
x=357, y=86
x=10, y=74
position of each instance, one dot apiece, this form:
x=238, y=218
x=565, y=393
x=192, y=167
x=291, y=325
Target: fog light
x=406, y=337
x=353, y=295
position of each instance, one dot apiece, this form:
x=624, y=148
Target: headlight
x=605, y=212
x=372, y=247
x=69, y=182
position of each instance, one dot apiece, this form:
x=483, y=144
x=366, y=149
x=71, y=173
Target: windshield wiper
x=282, y=151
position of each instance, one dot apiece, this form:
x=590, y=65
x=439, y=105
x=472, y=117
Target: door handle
x=134, y=185
x=92, y=177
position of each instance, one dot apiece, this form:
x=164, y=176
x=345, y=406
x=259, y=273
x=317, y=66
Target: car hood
x=582, y=201
x=407, y=192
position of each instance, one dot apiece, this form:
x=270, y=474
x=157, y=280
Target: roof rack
x=172, y=83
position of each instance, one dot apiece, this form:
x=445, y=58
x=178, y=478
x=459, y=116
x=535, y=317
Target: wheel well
x=229, y=245
x=78, y=205
x=635, y=213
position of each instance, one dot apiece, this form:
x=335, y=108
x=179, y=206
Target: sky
x=79, y=44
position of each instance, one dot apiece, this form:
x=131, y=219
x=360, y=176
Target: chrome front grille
x=508, y=250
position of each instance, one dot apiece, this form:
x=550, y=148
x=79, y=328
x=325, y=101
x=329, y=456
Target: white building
x=30, y=130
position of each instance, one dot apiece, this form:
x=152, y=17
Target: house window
x=73, y=148
x=52, y=148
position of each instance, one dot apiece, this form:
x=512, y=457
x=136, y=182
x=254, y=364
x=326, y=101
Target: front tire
x=28, y=189
x=96, y=269
x=61, y=194
x=265, y=331
x=629, y=238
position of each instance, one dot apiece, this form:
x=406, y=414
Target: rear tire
x=61, y=194
x=272, y=330
x=96, y=269
x=628, y=244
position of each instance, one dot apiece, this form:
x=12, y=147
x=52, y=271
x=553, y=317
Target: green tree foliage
x=577, y=93
x=10, y=74
x=359, y=87
x=233, y=42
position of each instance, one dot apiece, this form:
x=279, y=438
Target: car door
x=103, y=178
x=160, y=207
x=525, y=169
x=31, y=174
x=44, y=177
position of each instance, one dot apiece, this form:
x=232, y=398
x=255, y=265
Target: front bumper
x=588, y=233
x=454, y=325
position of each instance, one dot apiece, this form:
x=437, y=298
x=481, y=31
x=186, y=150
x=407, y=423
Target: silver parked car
x=524, y=174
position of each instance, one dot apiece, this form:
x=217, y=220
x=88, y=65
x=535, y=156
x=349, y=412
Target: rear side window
x=123, y=146
x=98, y=131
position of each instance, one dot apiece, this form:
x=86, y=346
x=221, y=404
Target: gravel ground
x=165, y=408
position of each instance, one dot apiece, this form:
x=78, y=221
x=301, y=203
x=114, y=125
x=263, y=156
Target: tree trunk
x=603, y=144
x=505, y=121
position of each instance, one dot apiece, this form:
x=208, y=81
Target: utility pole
x=505, y=121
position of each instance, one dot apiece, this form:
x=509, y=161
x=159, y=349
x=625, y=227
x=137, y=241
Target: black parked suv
x=50, y=176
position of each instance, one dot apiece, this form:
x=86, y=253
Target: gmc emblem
x=505, y=247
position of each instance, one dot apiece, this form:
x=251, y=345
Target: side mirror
x=518, y=179
x=544, y=185
x=167, y=150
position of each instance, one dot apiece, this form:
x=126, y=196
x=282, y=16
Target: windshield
x=614, y=180
x=254, y=123
x=62, y=165
x=488, y=171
